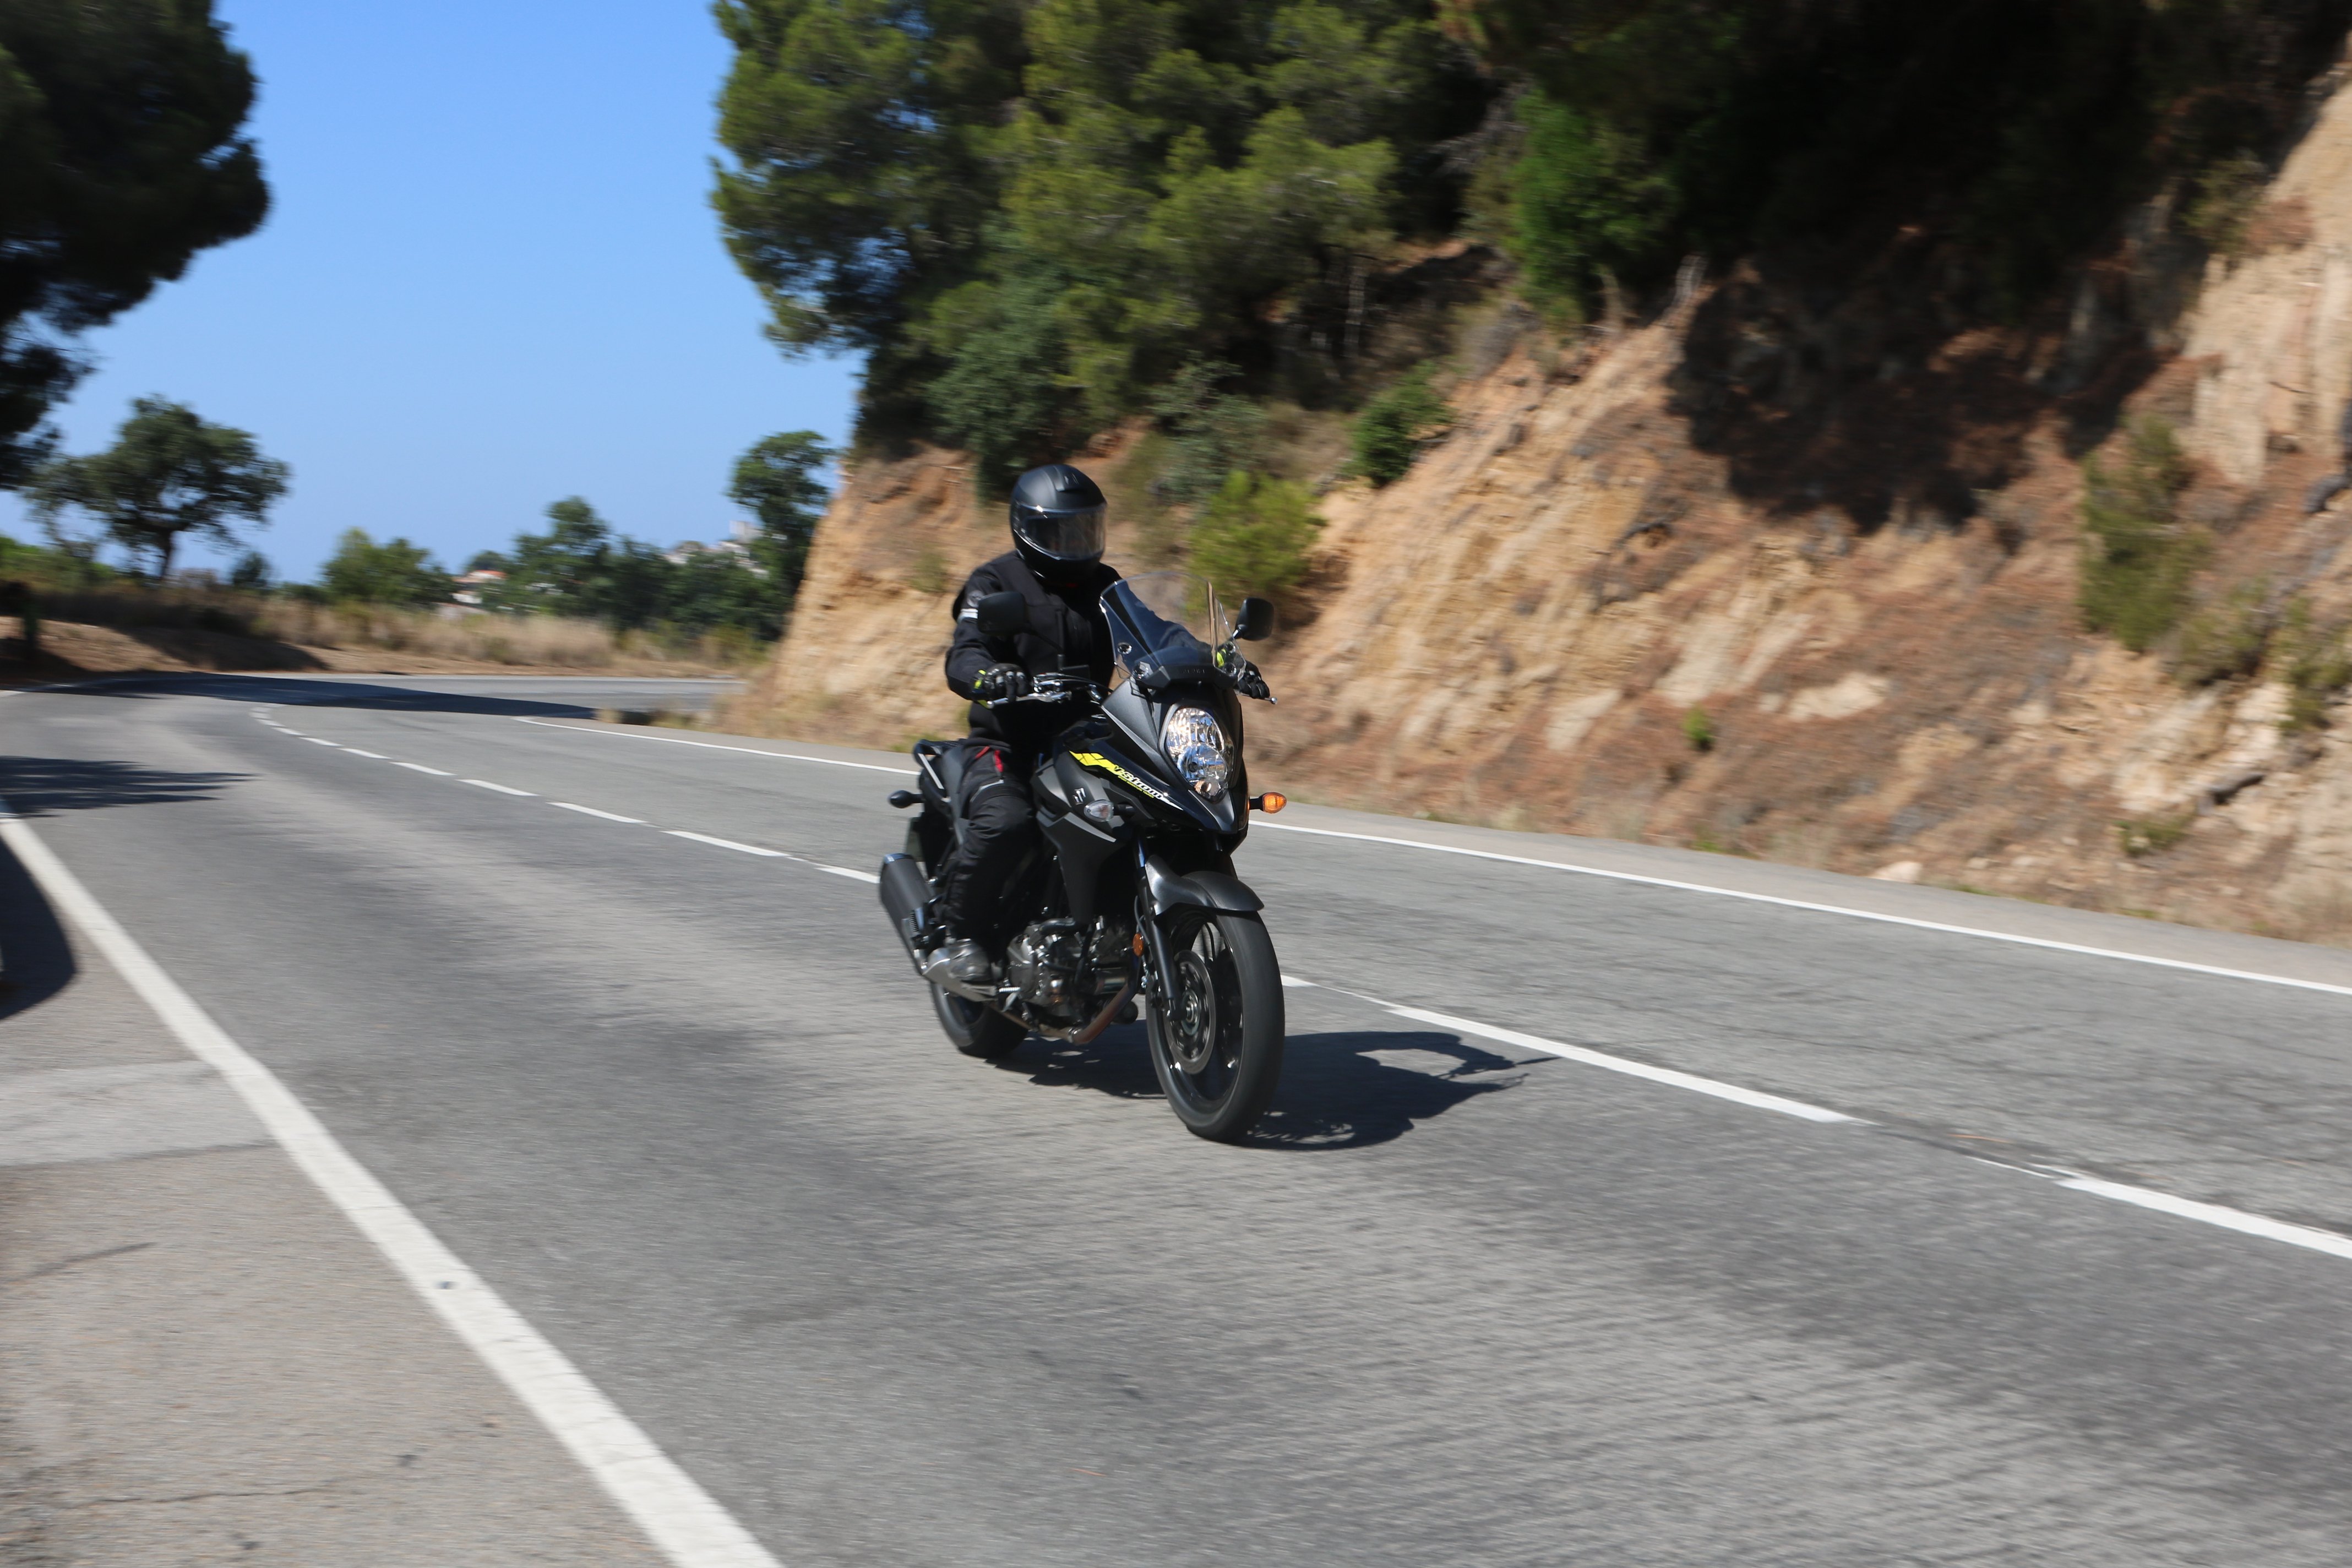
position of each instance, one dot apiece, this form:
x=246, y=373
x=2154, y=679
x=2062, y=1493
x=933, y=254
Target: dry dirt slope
x=1519, y=630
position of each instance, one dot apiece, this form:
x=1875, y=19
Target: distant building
x=470, y=586
x=738, y=544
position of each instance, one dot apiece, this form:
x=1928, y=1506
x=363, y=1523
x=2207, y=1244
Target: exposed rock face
x=1520, y=629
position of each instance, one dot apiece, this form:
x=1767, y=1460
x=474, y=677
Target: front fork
x=1156, y=966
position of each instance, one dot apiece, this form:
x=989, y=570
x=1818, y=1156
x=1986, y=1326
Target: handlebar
x=1053, y=688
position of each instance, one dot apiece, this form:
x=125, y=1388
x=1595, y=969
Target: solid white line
x=502, y=789
x=685, y=1521
x=1828, y=909
x=1629, y=1067
x=714, y=746
x=2325, y=1241
x=420, y=767
x=371, y=756
x=726, y=843
x=845, y=871
x=591, y=811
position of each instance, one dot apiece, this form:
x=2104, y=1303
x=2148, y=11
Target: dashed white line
x=727, y=844
x=2269, y=1229
x=421, y=768
x=371, y=756
x=714, y=746
x=2332, y=1243
x=685, y=1522
x=591, y=811
x=502, y=789
x=316, y=741
x=1754, y=1099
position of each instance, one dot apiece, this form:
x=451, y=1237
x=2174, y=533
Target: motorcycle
x=1129, y=901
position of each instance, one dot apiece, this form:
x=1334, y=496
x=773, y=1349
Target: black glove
x=1248, y=681
x=999, y=683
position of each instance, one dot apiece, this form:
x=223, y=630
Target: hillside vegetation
x=1041, y=220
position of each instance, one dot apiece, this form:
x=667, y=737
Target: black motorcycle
x=1142, y=800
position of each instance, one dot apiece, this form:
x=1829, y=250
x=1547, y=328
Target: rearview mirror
x=1255, y=620
x=1002, y=614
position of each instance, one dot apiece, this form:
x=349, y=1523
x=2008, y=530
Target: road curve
x=613, y=1013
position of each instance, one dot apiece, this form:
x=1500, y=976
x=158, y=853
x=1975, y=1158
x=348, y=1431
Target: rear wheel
x=1218, y=1047
x=975, y=1030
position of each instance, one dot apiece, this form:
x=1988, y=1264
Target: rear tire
x=1220, y=1056
x=973, y=1030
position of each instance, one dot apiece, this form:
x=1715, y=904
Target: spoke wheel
x=1217, y=1047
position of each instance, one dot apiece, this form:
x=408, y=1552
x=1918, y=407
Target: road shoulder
x=202, y=1360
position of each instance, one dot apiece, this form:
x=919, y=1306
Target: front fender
x=1207, y=890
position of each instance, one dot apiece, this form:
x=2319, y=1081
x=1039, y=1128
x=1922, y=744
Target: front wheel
x=1218, y=1048
x=975, y=1030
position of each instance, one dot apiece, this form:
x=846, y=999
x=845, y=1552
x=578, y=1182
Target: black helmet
x=1057, y=520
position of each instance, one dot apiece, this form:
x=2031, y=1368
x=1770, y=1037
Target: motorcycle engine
x=1043, y=961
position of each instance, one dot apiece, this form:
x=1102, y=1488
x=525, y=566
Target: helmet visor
x=1062, y=535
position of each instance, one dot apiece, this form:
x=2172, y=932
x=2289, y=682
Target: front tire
x=975, y=1030
x=1219, y=1052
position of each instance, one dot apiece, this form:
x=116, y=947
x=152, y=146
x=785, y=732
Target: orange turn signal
x=1138, y=944
x=1268, y=803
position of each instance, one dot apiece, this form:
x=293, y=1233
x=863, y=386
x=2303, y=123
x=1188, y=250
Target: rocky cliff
x=1790, y=579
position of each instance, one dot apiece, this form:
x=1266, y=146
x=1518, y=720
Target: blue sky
x=490, y=279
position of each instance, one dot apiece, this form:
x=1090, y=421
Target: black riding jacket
x=1071, y=637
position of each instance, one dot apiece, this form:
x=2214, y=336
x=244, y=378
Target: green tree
x=393, y=573
x=561, y=571
x=121, y=158
x=777, y=481
x=169, y=473
x=251, y=574
x=1030, y=214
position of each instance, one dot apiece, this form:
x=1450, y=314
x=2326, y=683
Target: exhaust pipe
x=907, y=897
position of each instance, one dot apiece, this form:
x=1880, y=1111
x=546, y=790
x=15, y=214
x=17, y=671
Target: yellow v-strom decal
x=1097, y=761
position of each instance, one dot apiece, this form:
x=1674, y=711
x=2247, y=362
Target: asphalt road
x=1463, y=1302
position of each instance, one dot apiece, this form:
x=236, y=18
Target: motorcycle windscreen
x=1168, y=622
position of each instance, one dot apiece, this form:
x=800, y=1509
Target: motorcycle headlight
x=1197, y=746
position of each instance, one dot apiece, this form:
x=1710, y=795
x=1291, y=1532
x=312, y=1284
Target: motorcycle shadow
x=1341, y=1089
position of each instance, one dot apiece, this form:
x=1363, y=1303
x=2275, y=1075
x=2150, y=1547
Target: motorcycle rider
x=1056, y=565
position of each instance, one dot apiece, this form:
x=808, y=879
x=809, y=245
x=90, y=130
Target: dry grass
x=540, y=642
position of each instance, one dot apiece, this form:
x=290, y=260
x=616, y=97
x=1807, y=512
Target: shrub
x=1255, y=536
x=2226, y=639
x=2137, y=557
x=2147, y=836
x=2229, y=193
x=1394, y=426
x=2314, y=666
x=1698, y=729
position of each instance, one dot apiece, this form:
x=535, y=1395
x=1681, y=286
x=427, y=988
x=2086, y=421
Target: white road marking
x=845, y=871
x=316, y=741
x=420, y=767
x=1828, y=909
x=2332, y=1243
x=714, y=746
x=371, y=756
x=502, y=789
x=727, y=844
x=591, y=811
x=2325, y=1241
x=1626, y=1065
x=684, y=1521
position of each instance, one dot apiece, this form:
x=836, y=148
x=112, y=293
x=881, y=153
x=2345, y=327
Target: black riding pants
x=995, y=826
